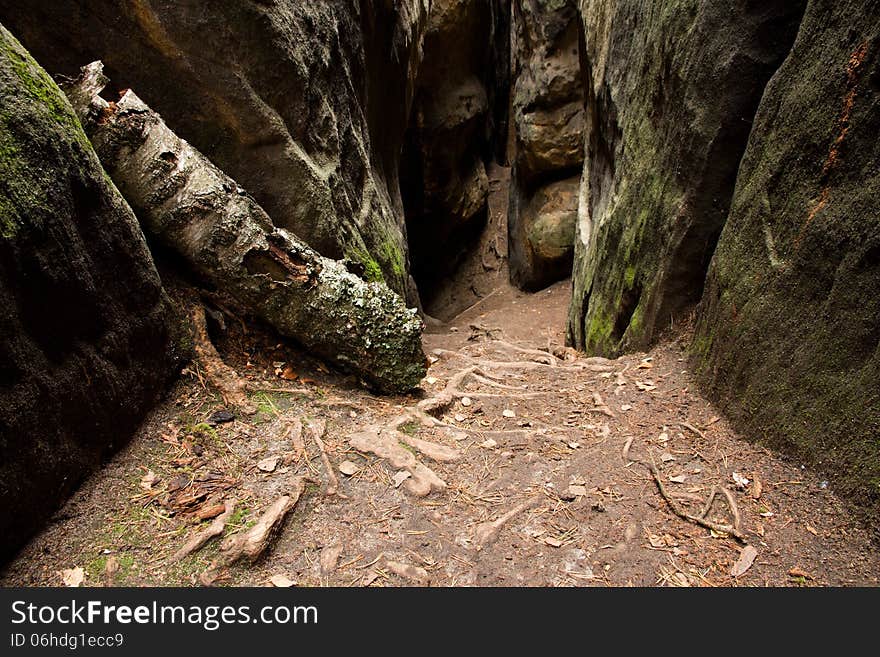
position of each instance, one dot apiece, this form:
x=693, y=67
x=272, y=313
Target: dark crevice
x=629, y=301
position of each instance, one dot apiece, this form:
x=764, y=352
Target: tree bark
x=191, y=206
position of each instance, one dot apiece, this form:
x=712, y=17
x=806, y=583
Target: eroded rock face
x=671, y=92
x=87, y=339
x=303, y=103
x=788, y=336
x=548, y=115
x=451, y=137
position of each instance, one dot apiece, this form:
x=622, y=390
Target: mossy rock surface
x=672, y=89
x=788, y=337
x=304, y=104
x=87, y=338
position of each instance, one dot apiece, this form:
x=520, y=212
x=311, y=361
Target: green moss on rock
x=671, y=83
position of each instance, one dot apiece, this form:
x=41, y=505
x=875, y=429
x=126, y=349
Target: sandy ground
x=541, y=463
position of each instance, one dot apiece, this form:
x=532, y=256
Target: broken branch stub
x=192, y=207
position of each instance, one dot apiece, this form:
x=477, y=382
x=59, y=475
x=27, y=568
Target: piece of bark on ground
x=250, y=545
x=216, y=528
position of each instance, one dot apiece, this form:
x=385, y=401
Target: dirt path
x=530, y=485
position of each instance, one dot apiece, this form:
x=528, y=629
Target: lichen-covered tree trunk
x=195, y=209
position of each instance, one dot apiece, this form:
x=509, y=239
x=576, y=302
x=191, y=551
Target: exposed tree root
x=592, y=364
x=385, y=444
x=415, y=574
x=487, y=533
x=387, y=441
x=295, y=432
x=317, y=429
x=230, y=385
x=251, y=544
x=215, y=529
x=732, y=530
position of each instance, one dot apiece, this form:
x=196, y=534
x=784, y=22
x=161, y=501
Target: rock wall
x=303, y=103
x=672, y=88
x=87, y=339
x=548, y=115
x=459, y=107
x=788, y=336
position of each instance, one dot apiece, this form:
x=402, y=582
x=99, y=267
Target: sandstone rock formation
x=303, y=103
x=87, y=338
x=548, y=115
x=671, y=93
x=788, y=337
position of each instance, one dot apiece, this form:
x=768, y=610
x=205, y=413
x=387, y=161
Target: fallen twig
x=684, y=515
x=317, y=430
x=487, y=533
x=691, y=427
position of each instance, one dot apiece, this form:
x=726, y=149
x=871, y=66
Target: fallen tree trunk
x=192, y=207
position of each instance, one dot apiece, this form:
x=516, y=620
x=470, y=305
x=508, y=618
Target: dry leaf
x=330, y=557
x=645, y=364
x=812, y=529
x=281, y=581
x=656, y=541
x=268, y=464
x=746, y=559
x=489, y=444
x=553, y=542
x=646, y=386
x=400, y=477
x=149, y=480
x=626, y=407
x=348, y=468
x=666, y=457
x=72, y=577
x=110, y=569
x=679, y=479
x=210, y=512
x=799, y=572
x=415, y=574
x=740, y=480
x=288, y=374
x=577, y=491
